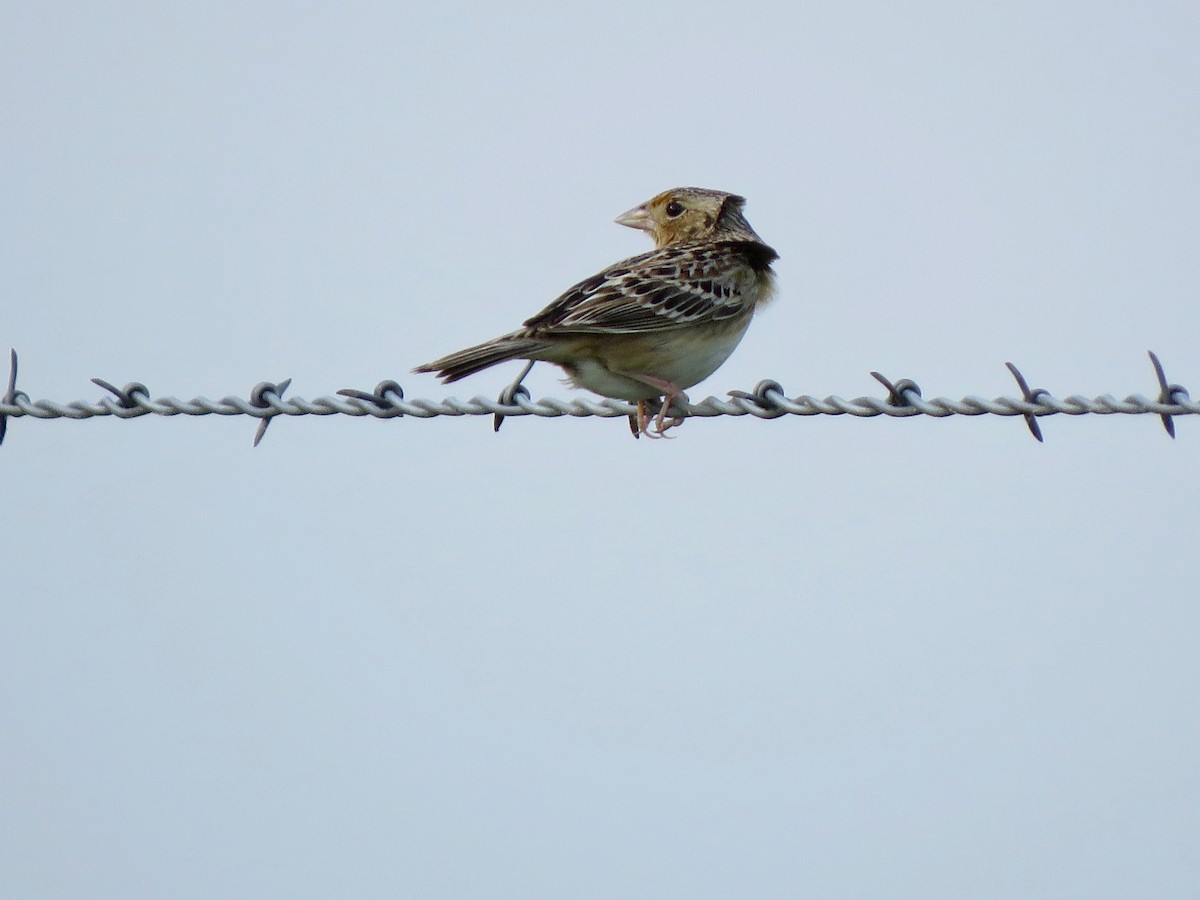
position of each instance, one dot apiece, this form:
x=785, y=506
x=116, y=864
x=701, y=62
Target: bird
x=652, y=325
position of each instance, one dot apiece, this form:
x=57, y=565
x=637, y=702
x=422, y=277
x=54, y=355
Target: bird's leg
x=670, y=392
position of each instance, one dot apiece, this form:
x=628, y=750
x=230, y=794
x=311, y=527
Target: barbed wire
x=768, y=400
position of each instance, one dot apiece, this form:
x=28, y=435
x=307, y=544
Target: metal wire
x=768, y=400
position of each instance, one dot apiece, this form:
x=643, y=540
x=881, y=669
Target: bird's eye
x=674, y=208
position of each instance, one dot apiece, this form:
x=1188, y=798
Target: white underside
x=683, y=371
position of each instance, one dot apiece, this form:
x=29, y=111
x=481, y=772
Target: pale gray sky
x=801, y=658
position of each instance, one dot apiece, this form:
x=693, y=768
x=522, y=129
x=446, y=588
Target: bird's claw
x=656, y=426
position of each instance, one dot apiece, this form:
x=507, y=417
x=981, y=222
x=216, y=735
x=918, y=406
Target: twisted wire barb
x=767, y=401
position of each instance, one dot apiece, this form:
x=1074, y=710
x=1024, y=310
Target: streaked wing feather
x=659, y=290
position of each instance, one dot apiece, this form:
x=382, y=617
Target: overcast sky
x=808, y=657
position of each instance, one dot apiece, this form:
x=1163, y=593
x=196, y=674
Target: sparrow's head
x=691, y=214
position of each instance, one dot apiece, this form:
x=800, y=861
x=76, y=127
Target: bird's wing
x=662, y=289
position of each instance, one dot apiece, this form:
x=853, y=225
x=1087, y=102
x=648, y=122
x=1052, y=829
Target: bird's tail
x=475, y=359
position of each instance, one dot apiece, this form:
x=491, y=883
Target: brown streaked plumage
x=654, y=324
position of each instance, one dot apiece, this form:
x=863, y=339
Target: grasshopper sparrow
x=654, y=324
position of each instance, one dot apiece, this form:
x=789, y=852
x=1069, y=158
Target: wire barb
x=1167, y=393
x=1033, y=396
x=260, y=398
x=10, y=395
x=898, y=392
x=766, y=396
x=382, y=396
x=508, y=396
x=126, y=396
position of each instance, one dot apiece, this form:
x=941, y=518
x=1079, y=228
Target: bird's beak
x=637, y=217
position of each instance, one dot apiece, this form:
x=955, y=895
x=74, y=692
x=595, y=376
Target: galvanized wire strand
x=767, y=401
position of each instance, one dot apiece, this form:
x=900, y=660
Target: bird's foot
x=661, y=422
x=647, y=423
